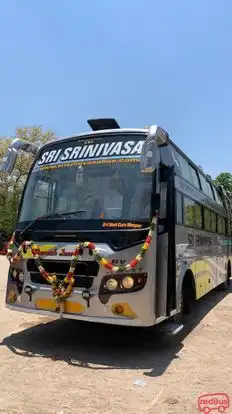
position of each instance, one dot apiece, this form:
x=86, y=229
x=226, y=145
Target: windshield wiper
x=51, y=215
x=62, y=213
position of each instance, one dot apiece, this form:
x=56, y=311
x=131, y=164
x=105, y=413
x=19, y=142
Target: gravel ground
x=64, y=367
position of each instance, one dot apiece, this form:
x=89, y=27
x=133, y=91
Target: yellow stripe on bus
x=43, y=249
x=50, y=304
x=203, y=275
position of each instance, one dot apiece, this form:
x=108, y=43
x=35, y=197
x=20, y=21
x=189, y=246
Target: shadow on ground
x=98, y=346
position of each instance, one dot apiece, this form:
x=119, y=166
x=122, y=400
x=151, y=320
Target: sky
x=141, y=62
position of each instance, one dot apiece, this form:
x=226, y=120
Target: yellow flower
x=51, y=279
x=104, y=261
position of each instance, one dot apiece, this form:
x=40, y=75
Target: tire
x=187, y=300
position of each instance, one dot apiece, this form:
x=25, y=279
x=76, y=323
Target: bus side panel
x=203, y=254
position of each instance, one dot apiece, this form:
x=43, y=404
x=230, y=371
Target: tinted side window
x=189, y=212
x=214, y=221
x=221, y=225
x=198, y=216
x=206, y=187
x=182, y=165
x=218, y=197
x=224, y=226
x=195, y=179
x=212, y=191
x=187, y=171
x=166, y=155
x=179, y=208
x=207, y=219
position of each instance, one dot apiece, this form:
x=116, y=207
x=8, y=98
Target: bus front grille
x=80, y=281
x=84, y=273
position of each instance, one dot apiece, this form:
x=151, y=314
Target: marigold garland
x=62, y=289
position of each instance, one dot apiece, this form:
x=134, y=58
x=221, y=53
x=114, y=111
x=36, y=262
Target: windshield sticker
x=122, y=225
x=92, y=152
x=75, y=164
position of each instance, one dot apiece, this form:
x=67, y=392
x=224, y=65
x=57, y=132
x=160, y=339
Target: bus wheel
x=225, y=285
x=187, y=298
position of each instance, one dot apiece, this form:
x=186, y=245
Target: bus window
x=185, y=169
x=179, y=208
x=218, y=197
x=221, y=225
x=213, y=192
x=207, y=219
x=195, y=180
x=224, y=226
x=214, y=222
x=198, y=216
x=206, y=187
x=189, y=212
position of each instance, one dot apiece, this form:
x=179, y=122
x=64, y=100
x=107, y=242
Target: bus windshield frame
x=98, y=178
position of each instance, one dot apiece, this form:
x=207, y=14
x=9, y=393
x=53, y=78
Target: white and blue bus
x=147, y=233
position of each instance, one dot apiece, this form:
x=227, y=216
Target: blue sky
x=142, y=62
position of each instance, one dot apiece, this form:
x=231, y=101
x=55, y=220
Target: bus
x=117, y=226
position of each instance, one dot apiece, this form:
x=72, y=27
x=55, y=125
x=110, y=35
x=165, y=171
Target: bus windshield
x=107, y=190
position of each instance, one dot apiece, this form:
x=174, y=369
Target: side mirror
x=9, y=160
x=12, y=152
x=156, y=137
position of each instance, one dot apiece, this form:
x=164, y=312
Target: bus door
x=166, y=247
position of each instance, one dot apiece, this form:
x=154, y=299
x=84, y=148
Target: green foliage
x=11, y=186
x=225, y=180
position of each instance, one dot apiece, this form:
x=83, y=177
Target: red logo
x=213, y=402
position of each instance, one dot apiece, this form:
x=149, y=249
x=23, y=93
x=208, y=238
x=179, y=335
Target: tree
x=11, y=186
x=225, y=180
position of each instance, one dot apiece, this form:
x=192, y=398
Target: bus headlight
x=111, y=284
x=128, y=282
x=121, y=283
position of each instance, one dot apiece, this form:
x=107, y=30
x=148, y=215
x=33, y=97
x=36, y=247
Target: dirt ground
x=64, y=367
